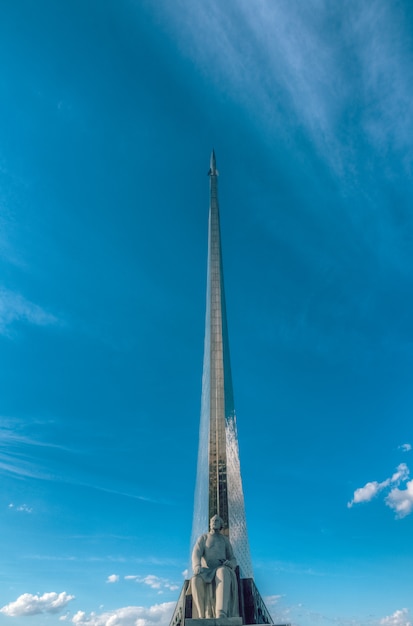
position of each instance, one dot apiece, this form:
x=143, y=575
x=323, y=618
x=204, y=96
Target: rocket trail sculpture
x=218, y=484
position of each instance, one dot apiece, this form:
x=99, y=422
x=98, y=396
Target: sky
x=109, y=111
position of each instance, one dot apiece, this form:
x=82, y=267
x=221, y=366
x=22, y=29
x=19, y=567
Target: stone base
x=252, y=609
x=215, y=621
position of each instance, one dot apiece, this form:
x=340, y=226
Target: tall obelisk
x=218, y=484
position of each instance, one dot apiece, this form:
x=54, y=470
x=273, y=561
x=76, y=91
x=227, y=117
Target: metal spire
x=218, y=486
x=218, y=483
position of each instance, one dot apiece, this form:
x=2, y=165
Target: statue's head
x=216, y=523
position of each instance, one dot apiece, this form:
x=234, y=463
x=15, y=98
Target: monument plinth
x=218, y=491
x=223, y=621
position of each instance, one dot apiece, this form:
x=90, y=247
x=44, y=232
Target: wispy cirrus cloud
x=272, y=57
x=24, y=456
x=400, y=500
x=106, y=558
x=21, y=468
x=15, y=308
x=19, y=453
x=28, y=604
x=159, y=615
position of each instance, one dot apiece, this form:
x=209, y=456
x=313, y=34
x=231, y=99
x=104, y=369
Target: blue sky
x=108, y=113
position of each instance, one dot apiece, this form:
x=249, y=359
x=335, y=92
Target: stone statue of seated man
x=214, y=585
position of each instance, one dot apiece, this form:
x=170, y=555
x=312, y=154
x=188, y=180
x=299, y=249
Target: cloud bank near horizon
x=157, y=615
x=399, y=618
x=29, y=604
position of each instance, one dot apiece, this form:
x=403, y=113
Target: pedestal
x=219, y=621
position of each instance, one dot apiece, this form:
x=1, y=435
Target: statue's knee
x=222, y=573
x=197, y=582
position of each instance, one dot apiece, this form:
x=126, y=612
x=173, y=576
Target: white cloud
x=402, y=473
x=367, y=493
x=14, y=307
x=406, y=447
x=154, y=582
x=28, y=604
x=113, y=578
x=22, y=508
x=399, y=618
x=399, y=500
x=159, y=615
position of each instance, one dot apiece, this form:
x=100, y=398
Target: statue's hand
x=197, y=569
x=227, y=564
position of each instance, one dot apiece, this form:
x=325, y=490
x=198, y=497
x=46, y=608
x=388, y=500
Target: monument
x=222, y=591
x=214, y=585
